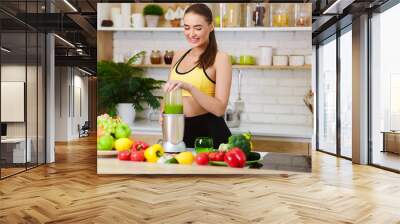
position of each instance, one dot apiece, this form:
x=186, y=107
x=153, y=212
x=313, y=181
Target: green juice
x=173, y=109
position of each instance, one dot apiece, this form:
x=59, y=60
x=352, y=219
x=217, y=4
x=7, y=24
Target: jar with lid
x=155, y=57
x=280, y=15
x=260, y=15
x=230, y=14
x=303, y=14
x=168, y=56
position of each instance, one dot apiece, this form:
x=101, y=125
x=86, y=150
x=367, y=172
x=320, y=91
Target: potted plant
x=123, y=89
x=152, y=14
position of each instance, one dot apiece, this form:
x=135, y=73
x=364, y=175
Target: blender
x=173, y=124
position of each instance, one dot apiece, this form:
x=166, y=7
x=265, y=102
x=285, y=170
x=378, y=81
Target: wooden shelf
x=224, y=29
x=305, y=67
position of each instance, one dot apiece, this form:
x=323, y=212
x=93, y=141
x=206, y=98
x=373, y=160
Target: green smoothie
x=173, y=109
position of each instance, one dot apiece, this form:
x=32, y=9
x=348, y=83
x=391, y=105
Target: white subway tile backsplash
x=294, y=82
x=290, y=100
x=259, y=99
x=270, y=96
x=250, y=107
x=292, y=119
x=278, y=109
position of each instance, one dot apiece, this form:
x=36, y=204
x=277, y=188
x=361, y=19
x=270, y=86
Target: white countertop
x=263, y=130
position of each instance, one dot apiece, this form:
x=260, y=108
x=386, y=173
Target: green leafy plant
x=123, y=83
x=152, y=9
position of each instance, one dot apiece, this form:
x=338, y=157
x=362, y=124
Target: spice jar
x=155, y=57
x=168, y=56
x=258, y=15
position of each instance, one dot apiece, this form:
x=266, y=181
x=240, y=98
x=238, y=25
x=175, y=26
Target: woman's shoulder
x=222, y=58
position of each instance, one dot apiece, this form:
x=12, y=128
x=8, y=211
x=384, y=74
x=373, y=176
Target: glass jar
x=173, y=102
x=231, y=14
x=155, y=57
x=168, y=56
x=259, y=15
x=280, y=15
x=303, y=14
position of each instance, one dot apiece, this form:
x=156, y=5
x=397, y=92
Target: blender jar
x=173, y=102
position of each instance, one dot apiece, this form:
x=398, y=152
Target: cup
x=203, y=144
x=117, y=20
x=137, y=20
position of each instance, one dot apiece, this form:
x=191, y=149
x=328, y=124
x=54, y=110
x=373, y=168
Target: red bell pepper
x=124, y=155
x=137, y=156
x=139, y=146
x=235, y=158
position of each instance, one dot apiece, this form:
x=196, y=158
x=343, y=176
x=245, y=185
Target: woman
x=204, y=74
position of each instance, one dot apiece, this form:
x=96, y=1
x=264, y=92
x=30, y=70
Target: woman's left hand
x=175, y=84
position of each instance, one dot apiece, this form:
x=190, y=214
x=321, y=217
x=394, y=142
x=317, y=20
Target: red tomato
x=124, y=155
x=212, y=155
x=219, y=156
x=202, y=159
x=137, y=156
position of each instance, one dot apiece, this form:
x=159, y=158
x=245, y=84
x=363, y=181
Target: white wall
x=270, y=96
x=67, y=114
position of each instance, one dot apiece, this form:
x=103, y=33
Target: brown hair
x=207, y=58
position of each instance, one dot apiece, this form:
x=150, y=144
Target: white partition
x=12, y=101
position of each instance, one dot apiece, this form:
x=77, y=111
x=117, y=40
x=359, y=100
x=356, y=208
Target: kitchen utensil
x=280, y=60
x=296, y=60
x=173, y=125
x=203, y=144
x=266, y=55
x=173, y=102
x=280, y=15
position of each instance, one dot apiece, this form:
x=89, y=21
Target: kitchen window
x=326, y=88
x=385, y=89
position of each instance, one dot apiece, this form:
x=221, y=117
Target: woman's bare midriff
x=191, y=108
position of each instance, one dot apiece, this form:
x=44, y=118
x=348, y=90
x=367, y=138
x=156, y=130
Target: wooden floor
x=70, y=191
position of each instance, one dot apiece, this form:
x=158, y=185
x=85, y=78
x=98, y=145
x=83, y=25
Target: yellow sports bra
x=196, y=76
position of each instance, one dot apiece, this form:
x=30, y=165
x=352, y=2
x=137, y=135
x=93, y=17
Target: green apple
x=105, y=142
x=122, y=131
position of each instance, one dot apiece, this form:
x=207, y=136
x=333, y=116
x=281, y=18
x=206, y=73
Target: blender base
x=170, y=147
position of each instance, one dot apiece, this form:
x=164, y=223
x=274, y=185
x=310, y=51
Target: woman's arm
x=175, y=58
x=215, y=105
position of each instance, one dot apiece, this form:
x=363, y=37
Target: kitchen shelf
x=305, y=67
x=230, y=29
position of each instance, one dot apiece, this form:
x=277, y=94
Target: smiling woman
x=205, y=75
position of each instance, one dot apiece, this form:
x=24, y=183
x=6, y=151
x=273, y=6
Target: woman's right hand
x=161, y=118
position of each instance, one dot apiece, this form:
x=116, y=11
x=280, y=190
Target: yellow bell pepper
x=185, y=158
x=153, y=153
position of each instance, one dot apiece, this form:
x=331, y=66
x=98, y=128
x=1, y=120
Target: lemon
x=185, y=158
x=123, y=144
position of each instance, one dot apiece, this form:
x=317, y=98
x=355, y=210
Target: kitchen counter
x=273, y=164
x=263, y=130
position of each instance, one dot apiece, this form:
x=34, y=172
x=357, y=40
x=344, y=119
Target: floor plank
x=70, y=191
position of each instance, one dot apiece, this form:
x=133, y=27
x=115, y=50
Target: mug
x=137, y=20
